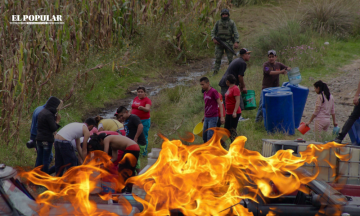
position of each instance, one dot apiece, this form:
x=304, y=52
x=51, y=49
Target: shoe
x=242, y=119
x=337, y=140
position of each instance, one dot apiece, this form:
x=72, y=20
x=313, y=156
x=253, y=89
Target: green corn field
x=31, y=55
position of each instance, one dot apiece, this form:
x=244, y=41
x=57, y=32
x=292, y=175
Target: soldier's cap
x=243, y=51
x=273, y=52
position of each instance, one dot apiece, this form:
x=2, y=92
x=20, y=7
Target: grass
x=177, y=111
x=331, y=16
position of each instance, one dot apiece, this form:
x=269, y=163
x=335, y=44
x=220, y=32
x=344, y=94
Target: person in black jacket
x=48, y=123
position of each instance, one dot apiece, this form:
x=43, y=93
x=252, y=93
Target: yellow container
x=198, y=130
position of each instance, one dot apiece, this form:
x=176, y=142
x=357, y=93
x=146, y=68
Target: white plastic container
x=294, y=76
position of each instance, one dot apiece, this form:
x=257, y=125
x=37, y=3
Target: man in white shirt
x=65, y=156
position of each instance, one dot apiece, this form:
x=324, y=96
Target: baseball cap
x=243, y=51
x=272, y=52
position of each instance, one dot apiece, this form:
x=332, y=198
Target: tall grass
x=331, y=16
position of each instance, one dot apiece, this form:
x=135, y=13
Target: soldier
x=225, y=29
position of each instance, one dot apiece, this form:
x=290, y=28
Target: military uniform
x=227, y=32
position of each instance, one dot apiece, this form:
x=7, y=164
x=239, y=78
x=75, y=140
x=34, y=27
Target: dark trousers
x=65, y=156
x=224, y=90
x=43, y=155
x=126, y=170
x=231, y=124
x=355, y=115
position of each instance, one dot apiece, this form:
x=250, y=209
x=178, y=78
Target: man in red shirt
x=212, y=102
x=271, y=71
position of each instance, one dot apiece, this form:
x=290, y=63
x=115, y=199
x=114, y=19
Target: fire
x=195, y=179
x=206, y=179
x=75, y=186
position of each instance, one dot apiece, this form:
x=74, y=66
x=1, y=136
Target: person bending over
x=65, y=155
x=113, y=143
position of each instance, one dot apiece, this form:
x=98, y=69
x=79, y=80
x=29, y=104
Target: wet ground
x=184, y=75
x=343, y=89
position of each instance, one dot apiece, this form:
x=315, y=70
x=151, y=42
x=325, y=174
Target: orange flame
x=75, y=186
x=197, y=179
x=206, y=179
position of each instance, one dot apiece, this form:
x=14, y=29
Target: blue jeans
x=65, y=156
x=259, y=114
x=209, y=122
x=146, y=123
x=43, y=155
x=50, y=158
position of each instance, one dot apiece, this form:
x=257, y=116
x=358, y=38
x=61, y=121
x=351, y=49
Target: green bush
x=334, y=17
x=248, y=2
x=174, y=94
x=288, y=34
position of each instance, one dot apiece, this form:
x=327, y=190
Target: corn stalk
x=31, y=56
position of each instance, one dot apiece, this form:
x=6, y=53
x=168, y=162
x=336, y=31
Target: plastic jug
x=303, y=128
x=294, y=76
x=336, y=130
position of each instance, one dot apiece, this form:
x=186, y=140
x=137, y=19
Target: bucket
x=294, y=76
x=303, y=128
x=336, y=130
x=249, y=100
x=198, y=130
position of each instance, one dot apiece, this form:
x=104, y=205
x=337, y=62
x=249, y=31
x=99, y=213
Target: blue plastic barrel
x=300, y=94
x=280, y=112
x=268, y=90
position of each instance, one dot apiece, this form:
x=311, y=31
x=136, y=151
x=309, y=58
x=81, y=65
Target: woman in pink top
x=324, y=107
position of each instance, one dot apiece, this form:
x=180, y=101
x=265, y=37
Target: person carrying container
x=108, y=124
x=237, y=68
x=355, y=115
x=233, y=111
x=224, y=29
x=65, y=156
x=141, y=107
x=212, y=102
x=271, y=71
x=324, y=107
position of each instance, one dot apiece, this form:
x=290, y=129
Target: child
x=324, y=107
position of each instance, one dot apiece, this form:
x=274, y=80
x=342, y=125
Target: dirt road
x=343, y=88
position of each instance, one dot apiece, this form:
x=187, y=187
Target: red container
x=303, y=128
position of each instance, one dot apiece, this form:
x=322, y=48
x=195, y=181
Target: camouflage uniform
x=227, y=32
